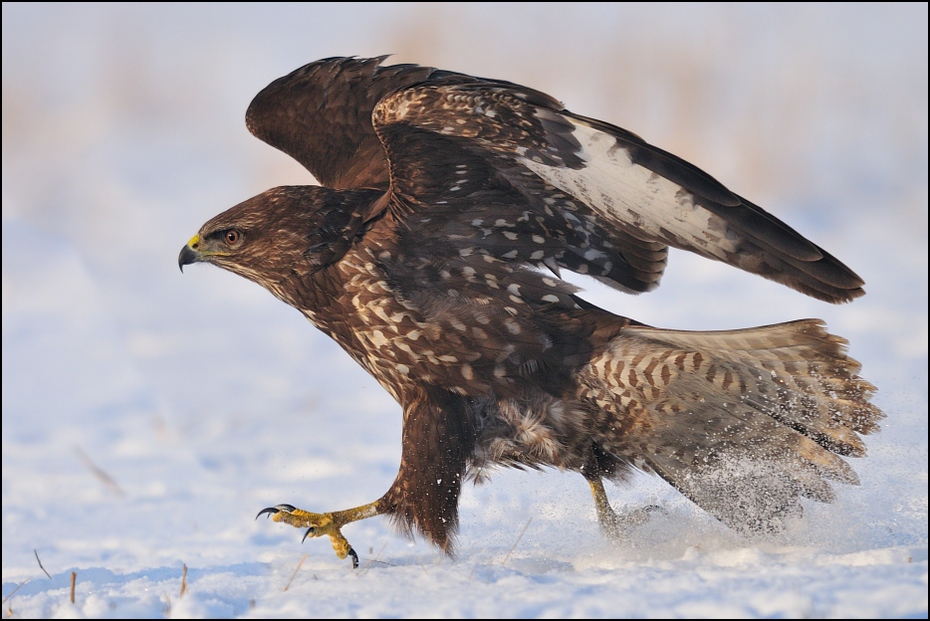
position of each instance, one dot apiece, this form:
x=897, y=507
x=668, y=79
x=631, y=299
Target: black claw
x=307, y=534
x=270, y=511
x=354, y=558
x=276, y=509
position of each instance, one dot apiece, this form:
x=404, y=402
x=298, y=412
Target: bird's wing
x=615, y=200
x=603, y=201
x=320, y=115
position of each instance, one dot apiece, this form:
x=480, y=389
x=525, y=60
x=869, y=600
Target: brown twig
x=288, y=585
x=73, y=580
x=183, y=582
x=98, y=472
x=21, y=585
x=40, y=564
x=513, y=547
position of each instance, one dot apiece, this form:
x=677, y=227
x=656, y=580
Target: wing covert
x=633, y=199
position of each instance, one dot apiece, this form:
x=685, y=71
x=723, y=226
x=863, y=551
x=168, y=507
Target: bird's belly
x=537, y=431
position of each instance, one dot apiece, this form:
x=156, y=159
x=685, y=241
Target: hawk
x=432, y=253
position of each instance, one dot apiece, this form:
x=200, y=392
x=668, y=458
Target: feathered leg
x=613, y=525
x=438, y=439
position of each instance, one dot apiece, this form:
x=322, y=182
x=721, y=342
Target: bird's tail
x=743, y=422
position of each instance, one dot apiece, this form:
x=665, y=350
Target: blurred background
x=123, y=132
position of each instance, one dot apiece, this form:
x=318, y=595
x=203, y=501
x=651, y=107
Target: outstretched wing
x=320, y=115
x=505, y=170
x=624, y=199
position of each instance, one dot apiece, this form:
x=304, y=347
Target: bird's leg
x=606, y=517
x=330, y=524
x=613, y=525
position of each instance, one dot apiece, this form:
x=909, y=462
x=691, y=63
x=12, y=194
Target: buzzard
x=432, y=253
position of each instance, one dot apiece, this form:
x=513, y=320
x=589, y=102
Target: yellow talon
x=319, y=524
x=606, y=517
x=613, y=525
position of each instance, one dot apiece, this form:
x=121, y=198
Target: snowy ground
x=147, y=416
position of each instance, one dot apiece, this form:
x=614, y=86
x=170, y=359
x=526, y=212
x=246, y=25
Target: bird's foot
x=320, y=524
x=619, y=526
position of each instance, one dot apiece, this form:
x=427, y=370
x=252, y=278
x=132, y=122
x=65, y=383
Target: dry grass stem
x=99, y=473
x=519, y=537
x=13, y=592
x=293, y=575
x=374, y=559
x=40, y=564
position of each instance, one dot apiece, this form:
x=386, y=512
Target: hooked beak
x=189, y=253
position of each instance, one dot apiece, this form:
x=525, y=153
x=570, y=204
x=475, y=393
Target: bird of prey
x=432, y=252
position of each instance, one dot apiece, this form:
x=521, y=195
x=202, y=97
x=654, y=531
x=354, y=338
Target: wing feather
x=609, y=202
x=626, y=186
x=320, y=114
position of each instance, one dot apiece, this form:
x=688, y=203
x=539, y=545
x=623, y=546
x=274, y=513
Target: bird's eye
x=232, y=237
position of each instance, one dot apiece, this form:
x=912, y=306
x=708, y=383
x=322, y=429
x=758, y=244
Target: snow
x=149, y=415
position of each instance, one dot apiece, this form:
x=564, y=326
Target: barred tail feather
x=743, y=422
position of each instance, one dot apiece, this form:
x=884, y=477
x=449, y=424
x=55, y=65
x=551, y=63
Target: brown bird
x=432, y=255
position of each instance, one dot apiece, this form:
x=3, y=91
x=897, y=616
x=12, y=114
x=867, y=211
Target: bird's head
x=288, y=230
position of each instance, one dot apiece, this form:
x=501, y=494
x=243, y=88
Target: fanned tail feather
x=743, y=422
